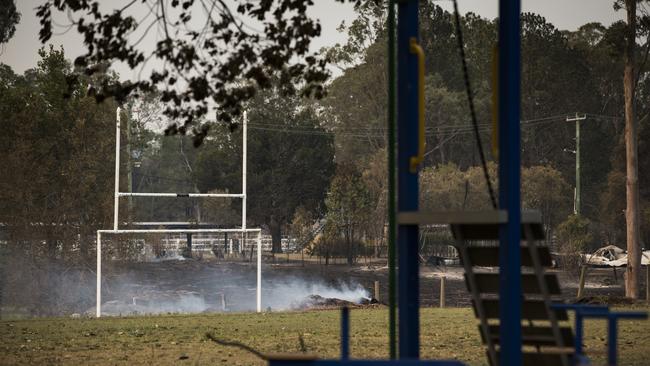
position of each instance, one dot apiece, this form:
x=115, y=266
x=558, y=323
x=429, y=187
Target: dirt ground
x=600, y=283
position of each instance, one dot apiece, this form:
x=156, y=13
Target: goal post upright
x=98, y=304
x=117, y=169
x=243, y=180
x=259, y=271
x=117, y=194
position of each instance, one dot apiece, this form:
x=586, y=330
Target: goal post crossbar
x=244, y=231
x=172, y=231
x=190, y=195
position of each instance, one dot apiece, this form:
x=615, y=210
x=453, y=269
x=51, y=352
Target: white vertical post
x=117, y=169
x=259, y=271
x=98, y=306
x=243, y=182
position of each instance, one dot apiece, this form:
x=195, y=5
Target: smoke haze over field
x=282, y=293
x=172, y=286
x=191, y=287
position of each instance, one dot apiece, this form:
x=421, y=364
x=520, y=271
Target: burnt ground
x=602, y=284
x=204, y=285
x=194, y=286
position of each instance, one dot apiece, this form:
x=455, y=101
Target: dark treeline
x=563, y=73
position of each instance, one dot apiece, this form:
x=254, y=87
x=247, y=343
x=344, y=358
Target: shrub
x=574, y=237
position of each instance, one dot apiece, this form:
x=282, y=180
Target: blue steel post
x=612, y=330
x=407, y=182
x=578, y=336
x=345, y=333
x=509, y=182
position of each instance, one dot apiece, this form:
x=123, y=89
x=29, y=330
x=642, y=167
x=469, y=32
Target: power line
x=443, y=130
x=470, y=100
x=370, y=128
x=380, y=132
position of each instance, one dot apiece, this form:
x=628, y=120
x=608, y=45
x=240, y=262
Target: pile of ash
x=318, y=302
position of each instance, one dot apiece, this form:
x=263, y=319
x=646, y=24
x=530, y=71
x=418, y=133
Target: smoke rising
x=291, y=293
x=172, y=286
x=287, y=293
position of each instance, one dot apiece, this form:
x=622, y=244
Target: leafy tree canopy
x=9, y=17
x=54, y=171
x=237, y=49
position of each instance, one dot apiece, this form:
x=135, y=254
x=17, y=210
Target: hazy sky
x=20, y=52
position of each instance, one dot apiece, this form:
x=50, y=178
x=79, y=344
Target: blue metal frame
x=579, y=328
x=583, y=311
x=407, y=182
x=345, y=333
x=509, y=182
x=612, y=330
x=345, y=353
x=365, y=363
x=509, y=199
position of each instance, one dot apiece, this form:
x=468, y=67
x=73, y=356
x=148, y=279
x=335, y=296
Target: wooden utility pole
x=647, y=283
x=576, y=198
x=633, y=271
x=377, y=294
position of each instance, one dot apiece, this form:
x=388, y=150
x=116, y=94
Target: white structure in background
x=116, y=229
x=612, y=256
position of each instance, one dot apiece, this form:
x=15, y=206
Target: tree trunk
x=633, y=271
x=350, y=253
x=51, y=244
x=84, y=239
x=276, y=235
x=188, y=238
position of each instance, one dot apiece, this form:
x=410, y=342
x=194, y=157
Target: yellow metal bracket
x=415, y=48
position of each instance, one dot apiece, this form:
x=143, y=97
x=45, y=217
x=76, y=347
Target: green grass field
x=180, y=339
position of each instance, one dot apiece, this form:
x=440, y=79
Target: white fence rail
x=206, y=242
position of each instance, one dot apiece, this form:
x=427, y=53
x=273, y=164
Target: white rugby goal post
x=116, y=230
